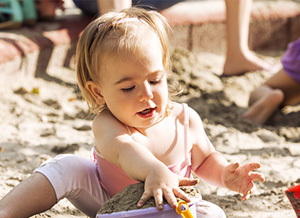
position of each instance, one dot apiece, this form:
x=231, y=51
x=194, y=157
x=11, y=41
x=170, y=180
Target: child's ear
x=95, y=92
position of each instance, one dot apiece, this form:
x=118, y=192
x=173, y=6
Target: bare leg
x=264, y=102
x=33, y=195
x=291, y=89
x=279, y=90
x=239, y=59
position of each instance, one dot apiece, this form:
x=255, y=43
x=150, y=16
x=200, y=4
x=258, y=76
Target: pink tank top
x=113, y=179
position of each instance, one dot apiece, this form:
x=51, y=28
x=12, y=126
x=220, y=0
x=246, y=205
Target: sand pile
x=127, y=199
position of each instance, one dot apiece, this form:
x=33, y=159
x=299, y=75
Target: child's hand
x=165, y=184
x=240, y=178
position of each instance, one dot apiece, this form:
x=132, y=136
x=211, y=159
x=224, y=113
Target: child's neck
x=147, y=129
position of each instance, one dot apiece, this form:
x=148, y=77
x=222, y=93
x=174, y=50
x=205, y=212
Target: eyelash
x=155, y=82
x=128, y=89
x=131, y=88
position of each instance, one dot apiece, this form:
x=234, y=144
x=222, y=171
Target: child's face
x=134, y=85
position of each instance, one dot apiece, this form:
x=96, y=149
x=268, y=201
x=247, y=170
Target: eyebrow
x=123, y=80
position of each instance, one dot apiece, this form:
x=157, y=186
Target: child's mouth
x=147, y=112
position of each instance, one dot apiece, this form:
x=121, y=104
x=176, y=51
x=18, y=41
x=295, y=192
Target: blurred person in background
x=280, y=90
x=239, y=58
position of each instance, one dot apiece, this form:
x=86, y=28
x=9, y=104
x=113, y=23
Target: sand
x=42, y=118
x=127, y=199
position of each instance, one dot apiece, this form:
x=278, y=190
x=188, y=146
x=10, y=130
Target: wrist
x=223, y=178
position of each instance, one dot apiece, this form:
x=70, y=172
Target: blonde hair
x=109, y=33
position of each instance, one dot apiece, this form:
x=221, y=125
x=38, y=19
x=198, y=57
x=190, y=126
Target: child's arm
x=117, y=146
x=211, y=166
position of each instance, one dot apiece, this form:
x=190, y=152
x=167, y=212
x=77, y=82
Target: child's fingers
x=246, y=190
x=158, y=197
x=184, y=181
x=233, y=166
x=145, y=197
x=245, y=197
x=252, y=166
x=181, y=194
x=170, y=197
x=250, y=190
x=257, y=176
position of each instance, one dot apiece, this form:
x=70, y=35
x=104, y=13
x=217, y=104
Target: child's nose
x=146, y=92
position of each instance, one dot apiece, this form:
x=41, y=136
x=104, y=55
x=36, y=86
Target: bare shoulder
x=194, y=116
x=176, y=108
x=109, y=133
x=178, y=112
x=105, y=126
x=195, y=121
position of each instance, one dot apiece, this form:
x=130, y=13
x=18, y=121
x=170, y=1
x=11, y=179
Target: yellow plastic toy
x=183, y=210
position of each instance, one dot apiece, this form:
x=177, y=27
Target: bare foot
x=241, y=64
x=262, y=109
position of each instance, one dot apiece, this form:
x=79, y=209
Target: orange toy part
x=183, y=210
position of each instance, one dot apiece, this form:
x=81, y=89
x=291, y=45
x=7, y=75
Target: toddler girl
x=140, y=134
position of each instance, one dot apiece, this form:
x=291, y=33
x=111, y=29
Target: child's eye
x=153, y=82
x=128, y=89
